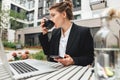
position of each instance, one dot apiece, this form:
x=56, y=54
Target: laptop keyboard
x=22, y=67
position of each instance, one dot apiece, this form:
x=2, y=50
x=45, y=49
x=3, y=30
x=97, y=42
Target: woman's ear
x=64, y=14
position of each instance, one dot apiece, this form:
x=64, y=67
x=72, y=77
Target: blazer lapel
x=58, y=41
x=71, y=37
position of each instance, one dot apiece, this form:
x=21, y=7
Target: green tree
x=0, y=4
x=15, y=16
x=15, y=24
x=4, y=20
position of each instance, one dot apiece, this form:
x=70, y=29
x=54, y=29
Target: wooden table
x=4, y=75
x=72, y=72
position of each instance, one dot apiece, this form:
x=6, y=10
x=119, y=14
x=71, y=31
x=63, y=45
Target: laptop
x=23, y=69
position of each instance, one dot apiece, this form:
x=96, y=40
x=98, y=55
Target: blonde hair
x=66, y=6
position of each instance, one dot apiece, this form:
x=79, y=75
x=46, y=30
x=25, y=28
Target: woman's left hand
x=66, y=61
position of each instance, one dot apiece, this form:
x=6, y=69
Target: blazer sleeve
x=44, y=43
x=87, y=50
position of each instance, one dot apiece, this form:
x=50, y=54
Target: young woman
x=68, y=40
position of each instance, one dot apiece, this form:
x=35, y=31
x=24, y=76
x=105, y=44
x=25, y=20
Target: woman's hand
x=44, y=30
x=66, y=61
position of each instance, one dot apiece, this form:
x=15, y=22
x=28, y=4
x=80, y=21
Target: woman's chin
x=56, y=27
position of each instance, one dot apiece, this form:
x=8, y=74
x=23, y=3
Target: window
x=31, y=25
x=40, y=12
x=13, y=7
x=40, y=0
x=78, y=16
x=30, y=16
x=31, y=4
x=38, y=23
x=49, y=2
x=41, y=3
x=19, y=37
x=76, y=3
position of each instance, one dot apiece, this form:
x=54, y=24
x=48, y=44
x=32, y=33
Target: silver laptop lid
x=23, y=69
x=4, y=66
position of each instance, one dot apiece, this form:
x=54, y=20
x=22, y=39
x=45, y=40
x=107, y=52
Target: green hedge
x=39, y=55
x=9, y=44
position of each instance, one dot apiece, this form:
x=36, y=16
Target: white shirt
x=63, y=42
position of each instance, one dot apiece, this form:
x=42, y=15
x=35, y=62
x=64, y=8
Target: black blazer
x=79, y=45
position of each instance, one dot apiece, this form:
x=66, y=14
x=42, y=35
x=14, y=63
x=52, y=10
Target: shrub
x=39, y=55
x=9, y=44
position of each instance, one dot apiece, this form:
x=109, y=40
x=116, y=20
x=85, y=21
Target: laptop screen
x=4, y=64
